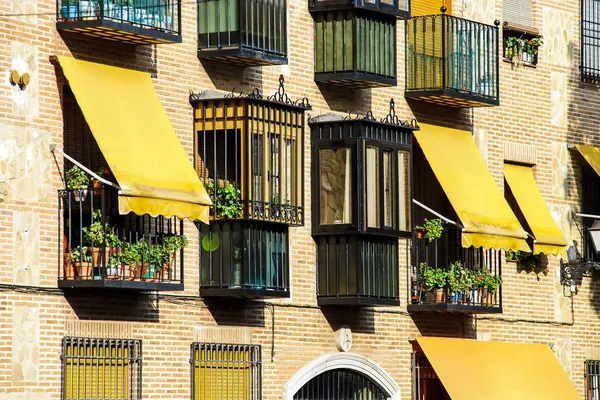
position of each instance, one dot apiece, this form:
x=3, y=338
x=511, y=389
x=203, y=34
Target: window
x=592, y=380
x=590, y=41
x=335, y=168
x=426, y=383
x=591, y=206
x=226, y=371
x=101, y=369
x=517, y=12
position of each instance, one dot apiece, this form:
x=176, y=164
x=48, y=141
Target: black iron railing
x=98, y=244
x=163, y=15
x=426, y=385
x=444, y=272
x=251, y=258
x=450, y=53
x=257, y=25
x=590, y=41
x=592, y=379
x=95, y=368
x=397, y=8
x=363, y=269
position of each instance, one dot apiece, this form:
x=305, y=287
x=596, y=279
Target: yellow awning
x=548, y=237
x=135, y=136
x=474, y=370
x=591, y=155
x=486, y=216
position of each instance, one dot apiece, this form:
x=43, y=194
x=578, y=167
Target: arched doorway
x=340, y=384
x=341, y=376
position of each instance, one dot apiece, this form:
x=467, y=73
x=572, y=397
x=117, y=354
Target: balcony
x=101, y=249
x=138, y=22
x=396, y=8
x=349, y=53
x=244, y=259
x=444, y=276
x=243, y=32
x=452, y=61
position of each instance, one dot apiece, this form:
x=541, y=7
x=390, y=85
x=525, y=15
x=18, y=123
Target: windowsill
x=521, y=29
x=508, y=60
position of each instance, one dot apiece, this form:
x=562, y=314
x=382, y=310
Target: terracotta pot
x=421, y=233
x=440, y=296
x=80, y=194
x=140, y=271
x=97, y=187
x=83, y=270
x=69, y=270
x=96, y=253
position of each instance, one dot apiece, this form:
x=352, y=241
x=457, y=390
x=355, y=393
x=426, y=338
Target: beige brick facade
x=545, y=107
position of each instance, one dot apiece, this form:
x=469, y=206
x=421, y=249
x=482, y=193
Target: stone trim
x=352, y=361
x=520, y=153
x=98, y=329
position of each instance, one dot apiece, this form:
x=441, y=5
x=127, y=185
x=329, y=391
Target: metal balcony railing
x=454, y=58
x=98, y=247
x=445, y=273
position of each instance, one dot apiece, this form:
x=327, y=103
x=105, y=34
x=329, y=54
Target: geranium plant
x=432, y=228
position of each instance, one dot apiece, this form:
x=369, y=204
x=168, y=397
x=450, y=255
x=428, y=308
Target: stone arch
x=351, y=361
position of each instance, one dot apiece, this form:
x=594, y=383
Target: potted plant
x=172, y=243
x=97, y=184
x=76, y=178
x=130, y=259
x=99, y=235
x=226, y=199
x=519, y=49
x=490, y=285
x=432, y=282
x=82, y=262
x=454, y=282
x=431, y=229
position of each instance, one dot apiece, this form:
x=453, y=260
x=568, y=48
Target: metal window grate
x=425, y=382
x=340, y=384
x=590, y=41
x=101, y=369
x=226, y=371
x=592, y=379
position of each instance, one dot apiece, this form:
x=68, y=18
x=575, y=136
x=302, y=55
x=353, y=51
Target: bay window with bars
x=101, y=369
x=590, y=41
x=226, y=371
x=245, y=32
x=250, y=157
x=361, y=206
x=592, y=379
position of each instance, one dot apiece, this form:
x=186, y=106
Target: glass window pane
x=388, y=190
x=372, y=187
x=404, y=195
x=336, y=186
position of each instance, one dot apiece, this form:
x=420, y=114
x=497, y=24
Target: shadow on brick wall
x=445, y=325
x=358, y=319
x=459, y=118
x=236, y=312
x=346, y=100
x=114, y=306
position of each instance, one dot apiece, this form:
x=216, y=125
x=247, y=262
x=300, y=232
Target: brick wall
x=545, y=106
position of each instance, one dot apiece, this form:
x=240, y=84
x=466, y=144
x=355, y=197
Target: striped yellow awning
x=548, y=237
x=135, y=136
x=474, y=370
x=480, y=205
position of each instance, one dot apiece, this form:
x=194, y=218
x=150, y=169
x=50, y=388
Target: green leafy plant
x=432, y=278
x=527, y=260
x=76, y=178
x=173, y=243
x=98, y=234
x=516, y=46
x=455, y=277
x=491, y=283
x=433, y=228
x=228, y=201
x=129, y=254
x=80, y=254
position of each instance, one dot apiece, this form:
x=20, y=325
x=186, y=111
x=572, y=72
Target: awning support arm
x=53, y=149
x=587, y=215
x=423, y=206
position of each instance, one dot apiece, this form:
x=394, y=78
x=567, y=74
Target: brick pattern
x=545, y=107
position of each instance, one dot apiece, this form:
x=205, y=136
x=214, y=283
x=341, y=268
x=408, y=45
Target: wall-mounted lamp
x=18, y=79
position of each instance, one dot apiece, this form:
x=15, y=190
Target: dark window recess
x=396, y=8
x=591, y=205
x=425, y=383
x=452, y=61
x=355, y=48
x=99, y=369
x=244, y=258
x=340, y=384
x=226, y=371
x=139, y=22
x=91, y=261
x=440, y=254
x=361, y=199
x=520, y=46
x=246, y=32
x=590, y=41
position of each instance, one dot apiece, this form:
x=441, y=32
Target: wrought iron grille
x=357, y=267
x=451, y=53
x=399, y=8
x=244, y=256
x=425, y=383
x=592, y=380
x=340, y=384
x=98, y=244
x=163, y=15
x=590, y=41
x=351, y=41
x=101, y=369
x=590, y=205
x=257, y=25
x=255, y=149
x=226, y=371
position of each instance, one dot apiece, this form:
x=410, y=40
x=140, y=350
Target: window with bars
x=340, y=384
x=425, y=382
x=592, y=379
x=590, y=41
x=101, y=369
x=226, y=371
